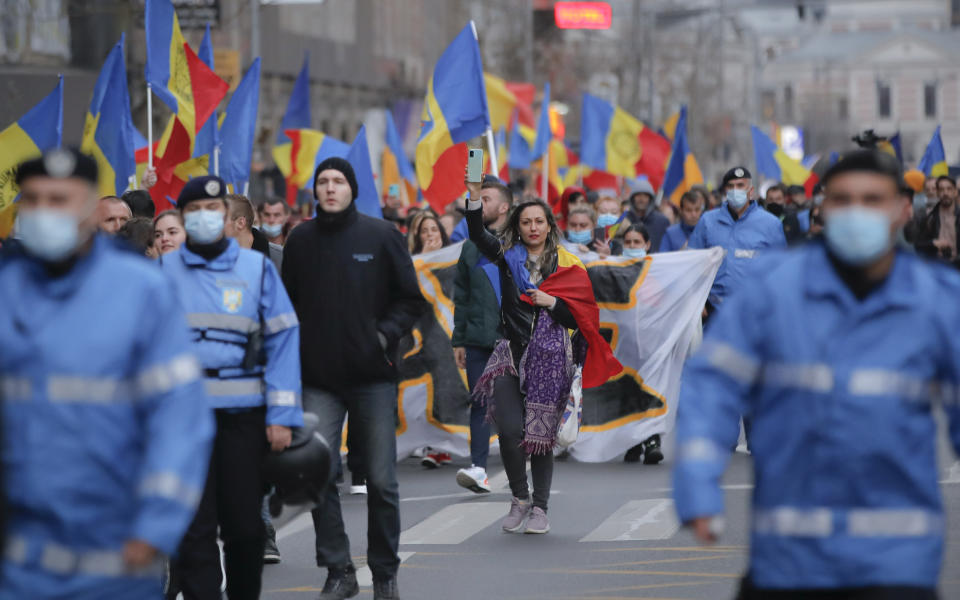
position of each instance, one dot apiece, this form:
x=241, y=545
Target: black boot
x=385, y=589
x=341, y=584
x=271, y=554
x=633, y=454
x=651, y=450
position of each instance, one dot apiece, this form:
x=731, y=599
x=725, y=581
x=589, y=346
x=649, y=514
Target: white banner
x=649, y=311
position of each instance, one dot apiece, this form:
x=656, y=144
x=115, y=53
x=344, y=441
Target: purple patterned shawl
x=546, y=374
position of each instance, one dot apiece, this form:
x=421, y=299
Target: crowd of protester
x=293, y=263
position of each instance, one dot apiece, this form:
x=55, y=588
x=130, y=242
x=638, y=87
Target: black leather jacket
x=517, y=318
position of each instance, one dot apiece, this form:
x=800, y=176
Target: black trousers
x=232, y=500
x=748, y=592
x=508, y=412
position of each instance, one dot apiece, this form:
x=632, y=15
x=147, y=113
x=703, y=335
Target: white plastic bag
x=573, y=413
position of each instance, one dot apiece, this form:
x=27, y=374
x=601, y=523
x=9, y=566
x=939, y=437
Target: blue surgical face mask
x=858, y=236
x=580, y=237
x=635, y=252
x=271, y=231
x=607, y=219
x=203, y=226
x=50, y=235
x=737, y=198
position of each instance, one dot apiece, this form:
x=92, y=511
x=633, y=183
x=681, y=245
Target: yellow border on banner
x=417, y=343
x=614, y=336
x=633, y=290
x=653, y=412
x=401, y=390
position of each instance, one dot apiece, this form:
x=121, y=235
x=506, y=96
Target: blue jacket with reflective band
x=840, y=395
x=755, y=231
x=225, y=303
x=106, y=432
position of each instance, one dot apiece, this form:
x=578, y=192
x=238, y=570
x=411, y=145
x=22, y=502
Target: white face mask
x=737, y=198
x=635, y=252
x=50, y=235
x=858, y=236
x=203, y=226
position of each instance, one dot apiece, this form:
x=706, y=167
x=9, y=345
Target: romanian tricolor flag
x=544, y=134
x=207, y=136
x=108, y=129
x=521, y=146
x=773, y=163
x=501, y=101
x=176, y=75
x=296, y=117
x=934, y=160
x=670, y=125
x=571, y=284
x=683, y=172
x=175, y=167
x=309, y=149
x=525, y=93
x=614, y=141
x=892, y=147
x=395, y=168
x=358, y=155
x=238, y=126
x=32, y=134
x=454, y=111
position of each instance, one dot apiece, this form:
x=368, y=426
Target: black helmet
x=299, y=473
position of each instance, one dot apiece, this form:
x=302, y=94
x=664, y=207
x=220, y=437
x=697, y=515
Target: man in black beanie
x=356, y=294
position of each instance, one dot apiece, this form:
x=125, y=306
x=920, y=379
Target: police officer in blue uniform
x=740, y=227
x=839, y=353
x=105, y=427
x=246, y=336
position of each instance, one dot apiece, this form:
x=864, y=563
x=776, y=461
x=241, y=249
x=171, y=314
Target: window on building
x=955, y=12
x=843, y=108
x=788, y=102
x=930, y=100
x=883, y=100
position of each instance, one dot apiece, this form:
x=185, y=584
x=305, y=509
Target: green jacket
x=476, y=317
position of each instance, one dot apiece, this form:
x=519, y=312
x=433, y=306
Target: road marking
x=637, y=520
x=301, y=522
x=633, y=572
x=953, y=474
x=455, y=523
x=365, y=576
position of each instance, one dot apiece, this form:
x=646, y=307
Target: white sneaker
x=358, y=490
x=474, y=479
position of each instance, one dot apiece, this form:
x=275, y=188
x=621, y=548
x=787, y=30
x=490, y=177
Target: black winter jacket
x=350, y=277
x=517, y=318
x=476, y=318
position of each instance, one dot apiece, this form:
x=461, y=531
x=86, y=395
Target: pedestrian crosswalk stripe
x=637, y=520
x=365, y=576
x=455, y=523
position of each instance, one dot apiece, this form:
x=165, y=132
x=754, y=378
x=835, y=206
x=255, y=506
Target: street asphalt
x=613, y=535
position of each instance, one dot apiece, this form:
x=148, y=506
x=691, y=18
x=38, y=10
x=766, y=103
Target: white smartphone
x=475, y=165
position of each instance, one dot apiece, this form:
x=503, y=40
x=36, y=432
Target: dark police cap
x=735, y=173
x=870, y=161
x=207, y=187
x=59, y=163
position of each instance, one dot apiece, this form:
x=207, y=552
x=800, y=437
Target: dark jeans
x=479, y=428
x=748, y=592
x=373, y=415
x=232, y=499
x=508, y=413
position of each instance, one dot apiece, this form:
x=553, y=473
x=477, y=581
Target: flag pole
x=544, y=169
x=246, y=187
x=216, y=160
x=149, y=125
x=494, y=165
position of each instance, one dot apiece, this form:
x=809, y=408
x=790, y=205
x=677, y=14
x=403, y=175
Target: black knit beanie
x=338, y=164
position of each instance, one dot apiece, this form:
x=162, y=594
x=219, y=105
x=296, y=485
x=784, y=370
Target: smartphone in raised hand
x=475, y=165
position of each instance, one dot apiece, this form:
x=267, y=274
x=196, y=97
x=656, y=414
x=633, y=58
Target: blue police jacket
x=675, y=237
x=755, y=231
x=836, y=389
x=227, y=299
x=106, y=433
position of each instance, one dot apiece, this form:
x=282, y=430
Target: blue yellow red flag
x=309, y=148
x=454, y=111
x=395, y=167
x=614, y=141
x=542, y=144
x=683, y=172
x=892, y=147
x=934, y=160
x=368, y=201
x=773, y=163
x=207, y=136
x=39, y=130
x=108, y=128
x=238, y=128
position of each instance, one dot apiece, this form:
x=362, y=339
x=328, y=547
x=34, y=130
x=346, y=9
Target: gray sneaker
x=538, y=521
x=519, y=509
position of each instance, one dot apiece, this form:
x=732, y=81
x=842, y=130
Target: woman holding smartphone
x=545, y=292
